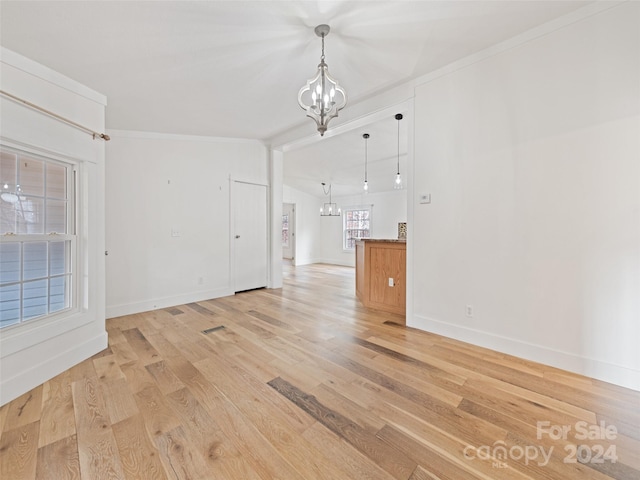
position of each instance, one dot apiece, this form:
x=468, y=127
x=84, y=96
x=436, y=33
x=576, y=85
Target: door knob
x=237, y=236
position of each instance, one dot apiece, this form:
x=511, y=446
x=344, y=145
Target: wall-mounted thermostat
x=425, y=198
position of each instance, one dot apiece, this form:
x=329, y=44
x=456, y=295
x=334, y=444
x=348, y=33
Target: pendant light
x=398, y=183
x=329, y=209
x=322, y=97
x=365, y=186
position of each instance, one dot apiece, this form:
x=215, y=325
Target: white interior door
x=250, y=236
x=288, y=230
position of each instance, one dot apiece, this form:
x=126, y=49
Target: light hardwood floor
x=304, y=383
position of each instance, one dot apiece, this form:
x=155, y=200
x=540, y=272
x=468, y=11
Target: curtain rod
x=95, y=135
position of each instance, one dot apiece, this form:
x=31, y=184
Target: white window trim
x=48, y=326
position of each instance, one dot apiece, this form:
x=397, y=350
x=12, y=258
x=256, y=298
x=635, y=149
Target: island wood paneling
x=376, y=262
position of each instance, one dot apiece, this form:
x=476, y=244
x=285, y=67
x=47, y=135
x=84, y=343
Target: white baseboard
x=339, y=261
x=155, y=303
x=299, y=261
x=607, y=372
x=12, y=388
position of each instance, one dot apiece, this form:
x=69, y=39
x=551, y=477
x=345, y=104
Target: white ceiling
x=234, y=68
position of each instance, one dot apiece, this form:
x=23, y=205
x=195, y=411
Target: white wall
x=389, y=208
x=307, y=218
x=36, y=351
x=157, y=184
x=532, y=157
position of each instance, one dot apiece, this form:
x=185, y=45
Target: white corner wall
x=387, y=210
x=532, y=157
x=168, y=216
x=38, y=350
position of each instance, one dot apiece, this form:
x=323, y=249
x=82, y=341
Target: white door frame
x=232, y=231
x=292, y=231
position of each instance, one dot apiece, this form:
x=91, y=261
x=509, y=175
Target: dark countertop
x=385, y=240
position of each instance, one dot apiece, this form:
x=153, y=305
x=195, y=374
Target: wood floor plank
x=97, y=448
x=123, y=351
x=25, y=409
x=59, y=460
x=418, y=438
x=387, y=456
x=146, y=353
x=108, y=368
x=205, y=434
x=260, y=454
x=57, y=419
x=4, y=409
x=118, y=399
x=19, y=451
x=428, y=459
x=354, y=463
x=159, y=418
x=165, y=379
x=421, y=474
x=201, y=309
x=137, y=376
x=179, y=457
x=251, y=396
x=140, y=457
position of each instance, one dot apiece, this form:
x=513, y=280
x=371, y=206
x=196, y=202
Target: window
x=285, y=230
x=356, y=225
x=37, y=237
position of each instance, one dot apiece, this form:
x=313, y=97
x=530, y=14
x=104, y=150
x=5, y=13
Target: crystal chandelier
x=322, y=97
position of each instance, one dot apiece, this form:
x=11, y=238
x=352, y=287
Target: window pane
x=7, y=215
x=34, y=299
x=58, y=299
x=56, y=216
x=31, y=176
x=58, y=258
x=8, y=189
x=285, y=230
x=8, y=170
x=29, y=213
x=9, y=305
x=9, y=262
x=35, y=260
x=56, y=181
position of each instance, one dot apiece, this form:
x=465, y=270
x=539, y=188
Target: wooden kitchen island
x=381, y=274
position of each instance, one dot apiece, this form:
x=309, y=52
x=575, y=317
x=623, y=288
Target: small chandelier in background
x=11, y=196
x=322, y=97
x=365, y=186
x=398, y=183
x=329, y=209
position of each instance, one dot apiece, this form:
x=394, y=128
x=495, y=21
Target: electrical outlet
x=391, y=284
x=469, y=310
x=200, y=280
